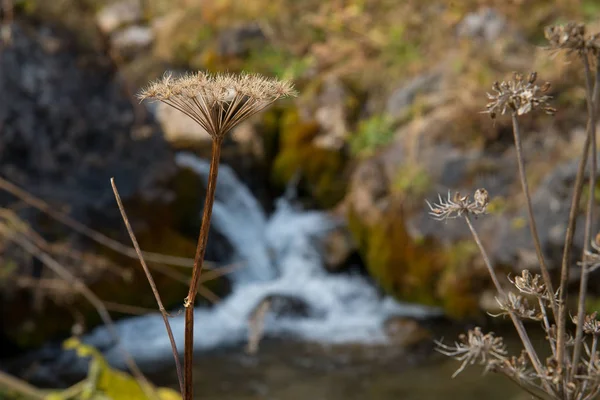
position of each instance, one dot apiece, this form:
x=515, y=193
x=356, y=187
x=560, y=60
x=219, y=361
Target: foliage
x=372, y=134
x=104, y=382
x=412, y=181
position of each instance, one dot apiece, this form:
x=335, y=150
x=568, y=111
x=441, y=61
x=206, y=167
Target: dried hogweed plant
x=572, y=371
x=217, y=103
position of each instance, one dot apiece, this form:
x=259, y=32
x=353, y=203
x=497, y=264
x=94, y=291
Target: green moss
x=321, y=170
x=419, y=271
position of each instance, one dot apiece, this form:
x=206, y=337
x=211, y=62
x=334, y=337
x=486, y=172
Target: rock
x=405, y=332
x=368, y=192
x=486, y=25
x=132, y=39
x=67, y=129
x=284, y=306
x=402, y=98
x=338, y=246
x=239, y=41
x=179, y=128
x=118, y=14
x=331, y=115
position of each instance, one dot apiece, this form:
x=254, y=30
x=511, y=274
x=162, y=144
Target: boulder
x=68, y=126
x=118, y=14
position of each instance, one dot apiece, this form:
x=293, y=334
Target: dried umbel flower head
x=218, y=102
x=519, y=306
x=519, y=96
x=591, y=325
x=572, y=38
x=519, y=368
x=458, y=205
x=530, y=284
x=476, y=347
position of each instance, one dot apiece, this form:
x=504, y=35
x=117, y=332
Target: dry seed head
x=519, y=306
x=572, y=38
x=218, y=102
x=530, y=284
x=519, y=96
x=476, y=347
x=591, y=325
x=458, y=205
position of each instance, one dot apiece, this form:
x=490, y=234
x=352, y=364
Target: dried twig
x=16, y=235
x=161, y=308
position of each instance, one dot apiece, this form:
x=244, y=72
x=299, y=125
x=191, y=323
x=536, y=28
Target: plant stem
x=535, y=361
x=19, y=237
x=572, y=224
x=532, y=224
x=583, y=283
x=159, y=302
x=547, y=325
x=198, y=260
x=80, y=228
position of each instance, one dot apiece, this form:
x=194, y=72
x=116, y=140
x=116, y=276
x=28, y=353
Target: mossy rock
x=419, y=271
x=322, y=170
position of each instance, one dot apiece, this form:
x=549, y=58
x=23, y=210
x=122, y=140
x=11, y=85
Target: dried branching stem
x=592, y=99
x=161, y=307
x=16, y=234
x=535, y=361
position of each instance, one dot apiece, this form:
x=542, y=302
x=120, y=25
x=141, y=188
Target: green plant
x=371, y=134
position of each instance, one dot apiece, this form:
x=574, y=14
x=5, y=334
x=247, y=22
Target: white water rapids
x=281, y=256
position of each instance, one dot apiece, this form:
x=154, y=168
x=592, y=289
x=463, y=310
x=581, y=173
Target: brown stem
x=532, y=224
x=198, y=260
x=21, y=387
x=159, y=302
x=86, y=231
x=535, y=361
x=571, y=226
x=583, y=283
x=19, y=238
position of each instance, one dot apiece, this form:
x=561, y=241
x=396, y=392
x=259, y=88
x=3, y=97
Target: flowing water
x=338, y=349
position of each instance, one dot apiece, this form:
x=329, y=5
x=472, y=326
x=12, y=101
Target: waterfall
x=281, y=257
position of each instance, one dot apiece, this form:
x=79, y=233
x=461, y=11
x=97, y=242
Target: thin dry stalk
x=530, y=215
x=592, y=99
x=80, y=228
x=21, y=387
x=531, y=353
x=161, y=307
x=16, y=235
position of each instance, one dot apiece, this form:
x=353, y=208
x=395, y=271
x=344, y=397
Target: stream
x=332, y=345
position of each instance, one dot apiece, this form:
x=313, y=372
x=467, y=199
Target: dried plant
x=217, y=103
x=572, y=372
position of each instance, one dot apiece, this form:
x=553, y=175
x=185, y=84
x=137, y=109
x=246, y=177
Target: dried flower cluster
x=532, y=285
x=572, y=372
x=475, y=347
x=519, y=96
x=572, y=38
x=458, y=205
x=519, y=306
x=218, y=102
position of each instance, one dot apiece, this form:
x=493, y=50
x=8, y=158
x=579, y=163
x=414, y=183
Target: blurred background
x=327, y=278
